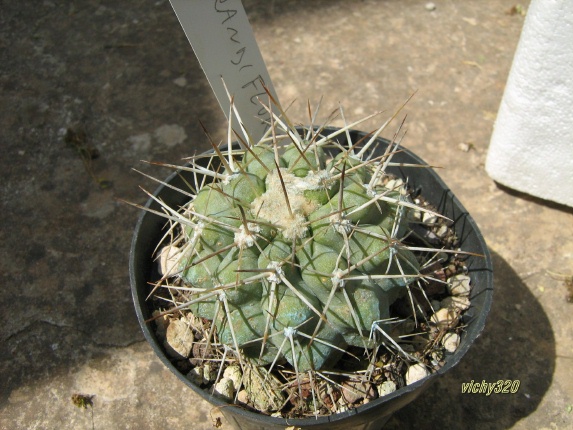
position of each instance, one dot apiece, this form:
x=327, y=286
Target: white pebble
x=415, y=373
x=465, y=147
x=430, y=6
x=234, y=374
x=394, y=184
x=243, y=397
x=437, y=356
x=386, y=388
x=416, y=215
x=442, y=231
x=180, y=82
x=168, y=257
x=451, y=341
x=459, y=285
x=445, y=318
x=342, y=407
x=224, y=388
x=429, y=219
x=460, y=303
x=210, y=372
x=179, y=339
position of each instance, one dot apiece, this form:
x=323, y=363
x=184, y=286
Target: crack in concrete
x=41, y=322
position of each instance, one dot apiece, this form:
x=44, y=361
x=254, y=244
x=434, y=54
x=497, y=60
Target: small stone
x=429, y=219
x=353, y=391
x=263, y=398
x=415, y=373
x=196, y=376
x=180, y=82
x=459, y=285
x=342, y=407
x=224, y=388
x=416, y=215
x=451, y=341
x=445, y=318
x=179, y=339
x=386, y=388
x=464, y=147
x=470, y=21
x=210, y=372
x=198, y=352
x=168, y=259
x=437, y=357
x=430, y=6
x=394, y=184
x=243, y=397
x=460, y=303
x=234, y=374
x=442, y=231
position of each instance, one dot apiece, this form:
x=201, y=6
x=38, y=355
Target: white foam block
x=531, y=148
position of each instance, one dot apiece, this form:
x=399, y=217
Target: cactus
x=293, y=248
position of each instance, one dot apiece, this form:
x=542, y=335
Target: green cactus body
x=291, y=254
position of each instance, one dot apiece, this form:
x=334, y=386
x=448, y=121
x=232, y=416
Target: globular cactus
x=293, y=246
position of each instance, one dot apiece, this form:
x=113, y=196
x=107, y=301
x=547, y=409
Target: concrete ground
x=119, y=78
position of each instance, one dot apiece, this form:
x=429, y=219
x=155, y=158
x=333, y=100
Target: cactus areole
x=291, y=252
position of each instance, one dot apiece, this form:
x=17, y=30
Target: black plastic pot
x=373, y=415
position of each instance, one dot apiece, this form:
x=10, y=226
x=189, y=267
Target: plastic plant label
x=224, y=43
